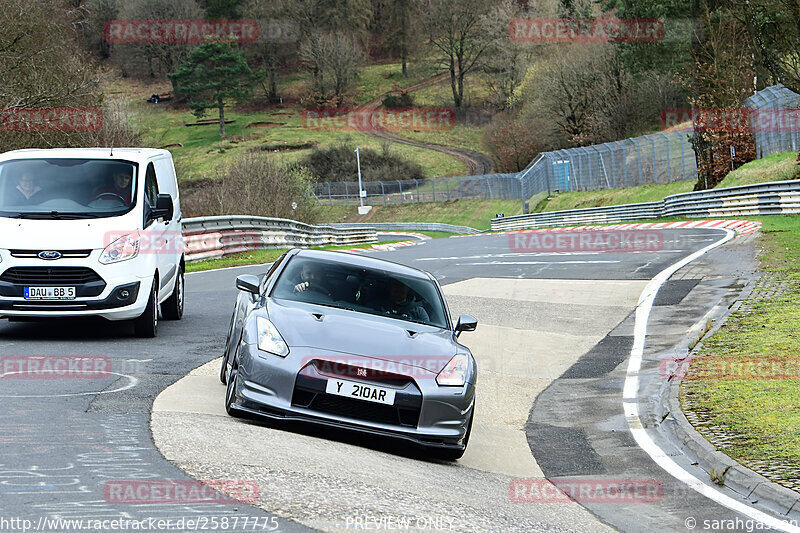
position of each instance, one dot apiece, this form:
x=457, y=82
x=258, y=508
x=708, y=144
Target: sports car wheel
x=230, y=392
x=223, y=371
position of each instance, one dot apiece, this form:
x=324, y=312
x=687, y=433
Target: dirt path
x=476, y=162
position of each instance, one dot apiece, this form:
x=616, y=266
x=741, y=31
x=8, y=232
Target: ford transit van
x=91, y=232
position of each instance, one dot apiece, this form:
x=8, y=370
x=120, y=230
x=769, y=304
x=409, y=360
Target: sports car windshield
x=66, y=188
x=371, y=291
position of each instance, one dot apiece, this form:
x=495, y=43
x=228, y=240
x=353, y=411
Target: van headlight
x=454, y=373
x=269, y=340
x=122, y=249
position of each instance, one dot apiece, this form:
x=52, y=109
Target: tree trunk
x=273, y=83
x=221, y=117
x=456, y=98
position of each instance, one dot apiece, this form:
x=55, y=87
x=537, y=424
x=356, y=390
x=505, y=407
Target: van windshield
x=66, y=188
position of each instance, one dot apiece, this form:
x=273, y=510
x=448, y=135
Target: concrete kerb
x=720, y=468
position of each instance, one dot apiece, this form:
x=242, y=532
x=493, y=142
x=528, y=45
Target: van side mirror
x=248, y=283
x=164, y=208
x=466, y=323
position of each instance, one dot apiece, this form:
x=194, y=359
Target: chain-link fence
x=652, y=159
x=495, y=186
x=775, y=120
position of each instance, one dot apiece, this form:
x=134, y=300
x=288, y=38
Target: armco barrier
x=408, y=226
x=774, y=198
x=209, y=237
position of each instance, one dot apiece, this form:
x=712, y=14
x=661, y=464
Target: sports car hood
x=348, y=332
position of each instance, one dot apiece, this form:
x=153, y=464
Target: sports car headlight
x=454, y=373
x=122, y=249
x=269, y=340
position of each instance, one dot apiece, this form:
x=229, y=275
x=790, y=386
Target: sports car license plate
x=49, y=293
x=351, y=389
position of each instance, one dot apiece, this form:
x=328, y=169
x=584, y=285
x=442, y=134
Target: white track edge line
x=631, y=405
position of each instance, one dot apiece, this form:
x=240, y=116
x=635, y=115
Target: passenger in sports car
x=400, y=304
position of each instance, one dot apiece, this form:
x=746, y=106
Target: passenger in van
x=119, y=187
x=26, y=192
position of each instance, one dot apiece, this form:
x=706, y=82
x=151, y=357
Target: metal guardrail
x=592, y=215
x=773, y=198
x=409, y=226
x=209, y=237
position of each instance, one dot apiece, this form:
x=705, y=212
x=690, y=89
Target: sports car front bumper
x=293, y=388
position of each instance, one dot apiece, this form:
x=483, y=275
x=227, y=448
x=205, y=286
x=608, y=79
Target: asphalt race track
x=554, y=330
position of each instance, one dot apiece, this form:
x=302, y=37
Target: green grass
x=377, y=80
x=258, y=257
x=762, y=413
x=631, y=195
x=204, y=153
x=473, y=213
x=777, y=167
x=460, y=136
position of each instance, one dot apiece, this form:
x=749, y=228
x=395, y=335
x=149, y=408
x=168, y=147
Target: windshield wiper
x=55, y=215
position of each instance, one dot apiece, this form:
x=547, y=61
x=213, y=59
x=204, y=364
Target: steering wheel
x=115, y=196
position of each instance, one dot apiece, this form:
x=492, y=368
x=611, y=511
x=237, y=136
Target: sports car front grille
x=356, y=409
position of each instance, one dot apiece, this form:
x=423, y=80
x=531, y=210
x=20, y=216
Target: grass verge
x=744, y=383
x=258, y=257
x=473, y=213
x=777, y=167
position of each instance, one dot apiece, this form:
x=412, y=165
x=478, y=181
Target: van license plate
x=49, y=293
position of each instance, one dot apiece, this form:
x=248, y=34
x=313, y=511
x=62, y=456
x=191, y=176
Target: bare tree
x=334, y=60
x=155, y=59
x=461, y=34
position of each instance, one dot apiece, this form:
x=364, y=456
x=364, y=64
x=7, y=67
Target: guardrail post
x=347, y=193
x=402, y=195
x=383, y=193
x=330, y=198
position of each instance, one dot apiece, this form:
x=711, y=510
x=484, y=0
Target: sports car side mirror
x=248, y=283
x=466, y=323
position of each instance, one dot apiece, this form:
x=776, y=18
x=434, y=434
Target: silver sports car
x=354, y=342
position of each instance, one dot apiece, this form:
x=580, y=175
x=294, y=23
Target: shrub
x=393, y=100
x=254, y=184
x=338, y=163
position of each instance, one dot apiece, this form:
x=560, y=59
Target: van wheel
x=146, y=326
x=172, y=308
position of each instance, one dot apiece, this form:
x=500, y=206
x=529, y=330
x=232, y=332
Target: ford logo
x=50, y=255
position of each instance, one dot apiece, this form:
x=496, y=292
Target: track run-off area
x=568, y=349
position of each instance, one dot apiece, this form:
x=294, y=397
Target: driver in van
x=26, y=191
x=119, y=188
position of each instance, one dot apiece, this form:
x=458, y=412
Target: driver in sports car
x=311, y=278
x=120, y=185
x=400, y=304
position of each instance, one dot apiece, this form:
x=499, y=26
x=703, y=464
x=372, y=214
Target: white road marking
x=539, y=263
x=631, y=405
x=132, y=383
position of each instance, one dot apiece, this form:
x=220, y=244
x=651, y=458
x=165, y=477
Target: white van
x=91, y=232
